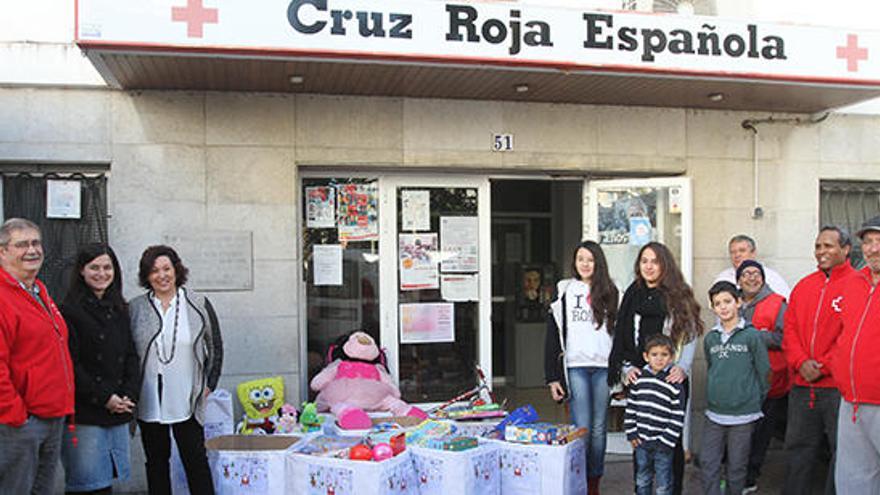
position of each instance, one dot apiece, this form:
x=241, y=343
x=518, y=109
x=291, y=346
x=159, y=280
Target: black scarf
x=650, y=305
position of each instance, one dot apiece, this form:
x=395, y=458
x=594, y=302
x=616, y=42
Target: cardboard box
x=250, y=464
x=469, y=472
x=527, y=469
x=311, y=475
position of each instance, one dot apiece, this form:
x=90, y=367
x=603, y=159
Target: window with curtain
x=24, y=196
x=848, y=204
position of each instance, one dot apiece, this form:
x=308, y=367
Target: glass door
x=436, y=287
x=623, y=216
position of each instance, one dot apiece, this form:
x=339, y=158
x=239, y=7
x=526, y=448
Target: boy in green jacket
x=738, y=379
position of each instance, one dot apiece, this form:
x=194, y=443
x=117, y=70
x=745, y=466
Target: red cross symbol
x=852, y=53
x=195, y=16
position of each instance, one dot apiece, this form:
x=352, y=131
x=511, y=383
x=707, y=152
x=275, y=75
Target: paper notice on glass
x=425, y=323
x=321, y=207
x=327, y=264
x=63, y=198
x=459, y=248
x=418, y=262
x=358, y=212
x=416, y=209
x=460, y=287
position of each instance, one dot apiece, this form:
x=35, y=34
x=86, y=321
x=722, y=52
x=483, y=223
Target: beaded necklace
x=160, y=349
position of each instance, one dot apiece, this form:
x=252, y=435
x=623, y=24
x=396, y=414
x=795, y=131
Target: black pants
x=774, y=411
x=808, y=429
x=190, y=439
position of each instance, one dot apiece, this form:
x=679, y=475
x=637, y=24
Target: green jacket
x=738, y=373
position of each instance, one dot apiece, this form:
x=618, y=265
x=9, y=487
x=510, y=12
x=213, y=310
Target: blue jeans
x=653, y=464
x=588, y=387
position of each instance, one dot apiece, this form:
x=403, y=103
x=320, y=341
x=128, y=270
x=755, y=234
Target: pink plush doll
x=356, y=381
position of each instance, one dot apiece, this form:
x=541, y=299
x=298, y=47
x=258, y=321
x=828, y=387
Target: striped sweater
x=654, y=409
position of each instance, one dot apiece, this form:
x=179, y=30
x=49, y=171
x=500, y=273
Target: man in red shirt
x=36, y=373
x=855, y=366
x=809, y=337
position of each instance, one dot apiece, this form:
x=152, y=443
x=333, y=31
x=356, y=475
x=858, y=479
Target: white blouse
x=171, y=404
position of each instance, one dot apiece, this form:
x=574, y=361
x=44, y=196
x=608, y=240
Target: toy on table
x=360, y=452
x=382, y=451
x=480, y=395
x=309, y=419
x=524, y=414
x=287, y=423
x=261, y=400
x=355, y=381
x=543, y=433
x=452, y=443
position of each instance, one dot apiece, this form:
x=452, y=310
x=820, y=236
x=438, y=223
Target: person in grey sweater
x=177, y=339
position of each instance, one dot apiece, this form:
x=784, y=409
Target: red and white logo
x=195, y=16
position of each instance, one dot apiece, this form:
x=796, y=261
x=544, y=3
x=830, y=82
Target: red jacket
x=36, y=373
x=764, y=319
x=856, y=360
x=810, y=327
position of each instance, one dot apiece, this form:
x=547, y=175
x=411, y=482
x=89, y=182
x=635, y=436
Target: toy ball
x=360, y=453
x=382, y=451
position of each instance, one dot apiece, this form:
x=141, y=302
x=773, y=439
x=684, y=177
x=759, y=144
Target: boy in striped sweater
x=654, y=418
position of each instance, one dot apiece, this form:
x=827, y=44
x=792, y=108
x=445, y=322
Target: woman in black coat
x=105, y=371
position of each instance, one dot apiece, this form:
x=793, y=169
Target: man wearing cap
x=856, y=368
x=808, y=341
x=764, y=309
x=36, y=373
x=742, y=247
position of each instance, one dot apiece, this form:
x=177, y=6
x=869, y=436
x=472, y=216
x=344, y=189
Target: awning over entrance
x=491, y=51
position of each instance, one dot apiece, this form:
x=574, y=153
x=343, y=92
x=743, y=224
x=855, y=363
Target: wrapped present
x=470, y=472
x=453, y=443
x=542, y=433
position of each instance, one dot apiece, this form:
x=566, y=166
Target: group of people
x=800, y=359
x=72, y=379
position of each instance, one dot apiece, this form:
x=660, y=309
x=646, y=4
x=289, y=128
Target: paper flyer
x=425, y=323
x=358, y=212
x=459, y=288
x=321, y=207
x=418, y=262
x=416, y=209
x=63, y=199
x=459, y=237
x=327, y=264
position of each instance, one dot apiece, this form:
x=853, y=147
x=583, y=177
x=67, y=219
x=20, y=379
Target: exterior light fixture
x=521, y=88
x=297, y=79
x=715, y=96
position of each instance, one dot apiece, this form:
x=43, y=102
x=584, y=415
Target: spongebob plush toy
x=261, y=400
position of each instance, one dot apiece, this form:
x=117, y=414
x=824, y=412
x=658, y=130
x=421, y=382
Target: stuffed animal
x=286, y=424
x=356, y=381
x=261, y=400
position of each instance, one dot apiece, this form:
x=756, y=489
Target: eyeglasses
x=750, y=274
x=34, y=243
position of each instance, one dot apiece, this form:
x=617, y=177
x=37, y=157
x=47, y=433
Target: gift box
x=249, y=464
x=312, y=475
x=527, y=469
x=469, y=472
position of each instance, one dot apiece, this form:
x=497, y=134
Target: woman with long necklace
x=177, y=337
x=658, y=301
x=106, y=372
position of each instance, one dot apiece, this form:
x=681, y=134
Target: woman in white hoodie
x=578, y=343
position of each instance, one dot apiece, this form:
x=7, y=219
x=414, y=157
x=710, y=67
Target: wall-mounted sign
x=564, y=38
x=502, y=142
x=63, y=199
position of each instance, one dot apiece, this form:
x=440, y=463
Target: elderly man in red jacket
x=855, y=367
x=36, y=373
x=810, y=333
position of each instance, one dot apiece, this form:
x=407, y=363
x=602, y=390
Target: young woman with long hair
x=657, y=301
x=577, y=346
x=105, y=371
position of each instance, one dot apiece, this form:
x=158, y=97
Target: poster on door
x=321, y=207
x=460, y=244
x=426, y=323
x=418, y=262
x=358, y=212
